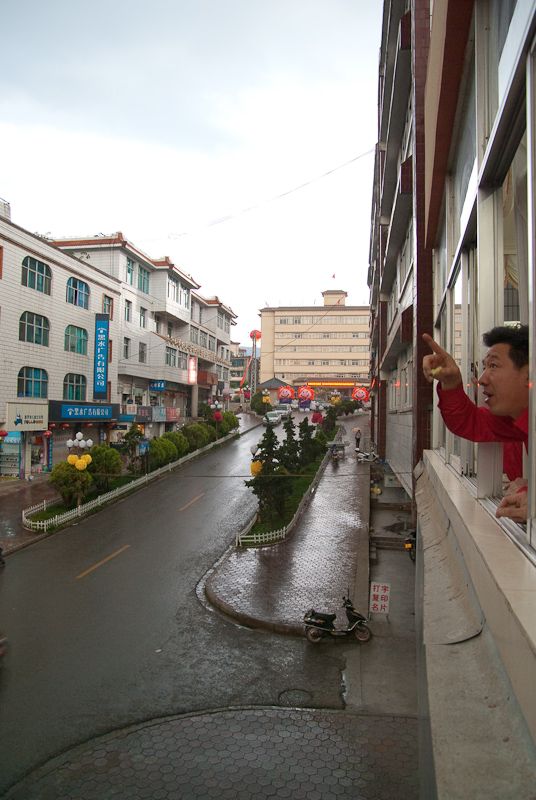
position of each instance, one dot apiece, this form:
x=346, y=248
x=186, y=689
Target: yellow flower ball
x=256, y=467
x=87, y=458
x=72, y=459
x=80, y=464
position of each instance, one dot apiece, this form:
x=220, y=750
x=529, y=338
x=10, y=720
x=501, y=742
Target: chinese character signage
x=173, y=414
x=100, y=382
x=379, y=597
x=192, y=370
x=26, y=416
x=157, y=386
x=86, y=412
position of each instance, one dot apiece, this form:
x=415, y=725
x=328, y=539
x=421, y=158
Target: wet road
x=107, y=629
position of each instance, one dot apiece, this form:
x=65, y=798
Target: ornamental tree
x=70, y=482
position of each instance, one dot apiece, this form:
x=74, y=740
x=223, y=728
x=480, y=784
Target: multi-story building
x=452, y=254
x=400, y=270
x=210, y=337
x=244, y=368
x=60, y=341
x=175, y=343
x=326, y=347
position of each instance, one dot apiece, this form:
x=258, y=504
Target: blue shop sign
x=86, y=412
x=100, y=383
x=157, y=386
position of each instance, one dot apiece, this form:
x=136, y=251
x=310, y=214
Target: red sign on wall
x=192, y=370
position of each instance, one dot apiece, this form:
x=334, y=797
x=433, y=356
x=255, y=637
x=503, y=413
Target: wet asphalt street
x=162, y=696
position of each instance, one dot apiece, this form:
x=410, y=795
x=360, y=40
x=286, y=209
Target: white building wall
x=16, y=299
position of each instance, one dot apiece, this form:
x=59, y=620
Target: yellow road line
x=102, y=562
x=192, y=501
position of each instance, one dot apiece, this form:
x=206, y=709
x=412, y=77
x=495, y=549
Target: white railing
x=247, y=539
x=62, y=519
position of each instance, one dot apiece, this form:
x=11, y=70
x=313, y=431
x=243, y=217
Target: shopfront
x=95, y=421
x=24, y=444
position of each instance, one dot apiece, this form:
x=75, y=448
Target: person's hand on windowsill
x=514, y=506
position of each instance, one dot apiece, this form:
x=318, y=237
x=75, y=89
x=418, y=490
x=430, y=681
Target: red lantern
x=47, y=433
x=51, y=425
x=111, y=424
x=65, y=425
x=255, y=335
x=3, y=433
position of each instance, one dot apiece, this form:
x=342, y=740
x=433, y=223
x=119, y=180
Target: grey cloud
x=153, y=72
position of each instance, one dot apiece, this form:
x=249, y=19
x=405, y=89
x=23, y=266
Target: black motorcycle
x=319, y=626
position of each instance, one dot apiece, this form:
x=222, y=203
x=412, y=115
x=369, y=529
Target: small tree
x=231, y=420
x=330, y=420
x=290, y=449
x=131, y=440
x=71, y=483
x=179, y=440
x=169, y=451
x=105, y=464
x=257, y=405
x=308, y=448
x=272, y=486
x=198, y=435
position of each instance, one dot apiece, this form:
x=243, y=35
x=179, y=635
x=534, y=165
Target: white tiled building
x=49, y=300
x=168, y=347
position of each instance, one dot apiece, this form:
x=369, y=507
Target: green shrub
x=179, y=440
x=156, y=454
x=223, y=428
x=231, y=419
x=198, y=435
x=71, y=483
x=105, y=464
x=169, y=451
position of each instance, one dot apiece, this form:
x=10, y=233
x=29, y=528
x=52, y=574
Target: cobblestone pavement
x=248, y=754
x=274, y=586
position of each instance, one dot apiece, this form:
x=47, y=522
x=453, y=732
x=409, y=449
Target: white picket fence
x=247, y=539
x=62, y=519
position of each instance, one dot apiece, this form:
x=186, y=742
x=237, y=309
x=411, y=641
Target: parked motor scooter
x=411, y=546
x=319, y=626
x=334, y=453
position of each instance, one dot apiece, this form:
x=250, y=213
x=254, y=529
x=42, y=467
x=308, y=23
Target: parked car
x=271, y=418
x=283, y=410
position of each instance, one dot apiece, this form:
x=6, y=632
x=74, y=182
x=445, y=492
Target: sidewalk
x=367, y=751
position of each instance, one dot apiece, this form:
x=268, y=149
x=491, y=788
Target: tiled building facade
x=167, y=347
x=470, y=125
x=326, y=347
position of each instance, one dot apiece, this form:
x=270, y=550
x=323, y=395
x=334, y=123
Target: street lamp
x=335, y=396
x=247, y=394
x=77, y=446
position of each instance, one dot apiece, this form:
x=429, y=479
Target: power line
x=279, y=196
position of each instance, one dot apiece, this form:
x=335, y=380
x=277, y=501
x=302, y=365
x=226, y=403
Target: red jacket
x=478, y=424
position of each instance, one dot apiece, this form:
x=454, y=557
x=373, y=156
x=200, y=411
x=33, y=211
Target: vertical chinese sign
x=379, y=597
x=100, y=381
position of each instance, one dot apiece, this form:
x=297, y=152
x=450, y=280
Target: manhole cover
x=294, y=697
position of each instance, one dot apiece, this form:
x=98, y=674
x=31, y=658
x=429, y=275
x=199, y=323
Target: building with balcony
x=465, y=264
x=174, y=343
x=326, y=347
x=244, y=369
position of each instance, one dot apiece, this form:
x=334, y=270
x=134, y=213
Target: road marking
x=192, y=501
x=102, y=562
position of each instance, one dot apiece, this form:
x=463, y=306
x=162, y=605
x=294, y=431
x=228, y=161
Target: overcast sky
x=159, y=119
